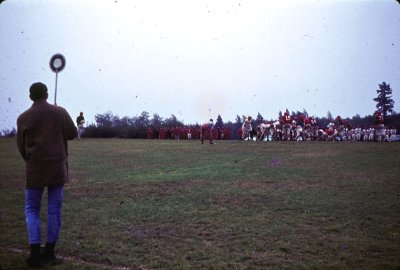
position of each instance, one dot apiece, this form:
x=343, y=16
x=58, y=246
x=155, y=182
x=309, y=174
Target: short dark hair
x=38, y=91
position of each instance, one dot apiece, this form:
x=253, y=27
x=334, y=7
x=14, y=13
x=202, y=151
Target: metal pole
x=55, y=93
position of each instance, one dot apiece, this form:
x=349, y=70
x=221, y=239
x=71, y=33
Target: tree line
x=109, y=125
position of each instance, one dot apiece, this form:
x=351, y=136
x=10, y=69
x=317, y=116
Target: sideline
x=75, y=260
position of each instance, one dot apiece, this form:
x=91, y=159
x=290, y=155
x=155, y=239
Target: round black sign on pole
x=57, y=64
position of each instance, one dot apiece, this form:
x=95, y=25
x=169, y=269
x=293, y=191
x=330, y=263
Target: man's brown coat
x=42, y=134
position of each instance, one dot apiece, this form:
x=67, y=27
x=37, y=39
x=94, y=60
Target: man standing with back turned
x=42, y=134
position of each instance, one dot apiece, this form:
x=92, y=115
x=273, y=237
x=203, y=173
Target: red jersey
x=286, y=118
x=378, y=118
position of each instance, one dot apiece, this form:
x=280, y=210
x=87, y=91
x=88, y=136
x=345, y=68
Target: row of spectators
x=186, y=133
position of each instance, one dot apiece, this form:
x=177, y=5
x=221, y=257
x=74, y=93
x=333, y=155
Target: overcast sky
x=198, y=59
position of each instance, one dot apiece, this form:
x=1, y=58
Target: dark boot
x=34, y=257
x=48, y=252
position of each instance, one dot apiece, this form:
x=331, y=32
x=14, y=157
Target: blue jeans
x=33, y=198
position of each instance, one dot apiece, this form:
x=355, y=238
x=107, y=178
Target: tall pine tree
x=384, y=101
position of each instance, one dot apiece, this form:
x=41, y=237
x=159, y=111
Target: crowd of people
x=287, y=128
x=189, y=133
x=305, y=128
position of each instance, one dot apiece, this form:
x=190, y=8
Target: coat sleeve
x=70, y=128
x=21, y=139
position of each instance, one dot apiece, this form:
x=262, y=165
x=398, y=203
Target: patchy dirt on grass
x=93, y=191
x=313, y=154
x=236, y=201
x=163, y=189
x=276, y=185
x=137, y=190
x=172, y=232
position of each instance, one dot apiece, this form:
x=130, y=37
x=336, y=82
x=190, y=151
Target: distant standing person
x=43, y=131
x=80, y=120
x=177, y=133
x=247, y=128
x=379, y=126
x=207, y=130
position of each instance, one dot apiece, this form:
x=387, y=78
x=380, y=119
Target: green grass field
x=149, y=204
